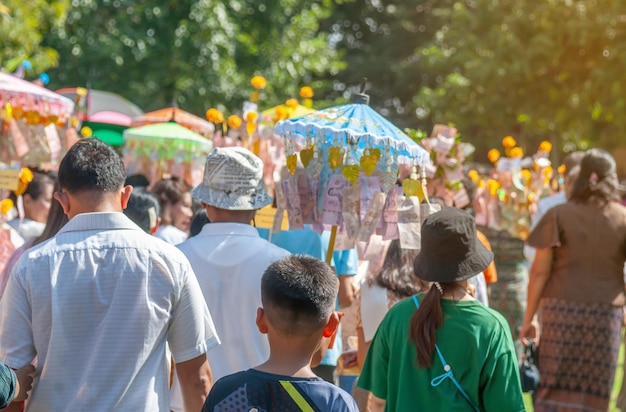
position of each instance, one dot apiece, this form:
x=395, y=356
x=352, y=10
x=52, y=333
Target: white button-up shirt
x=96, y=305
x=229, y=260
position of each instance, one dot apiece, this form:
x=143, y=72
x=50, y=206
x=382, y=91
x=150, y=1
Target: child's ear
x=330, y=331
x=261, y=320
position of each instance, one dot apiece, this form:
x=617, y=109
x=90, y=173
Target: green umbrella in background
x=166, y=141
x=111, y=134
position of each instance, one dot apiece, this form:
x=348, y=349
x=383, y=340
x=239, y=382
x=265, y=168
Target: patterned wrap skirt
x=578, y=355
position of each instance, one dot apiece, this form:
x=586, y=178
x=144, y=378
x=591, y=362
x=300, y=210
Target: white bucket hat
x=233, y=180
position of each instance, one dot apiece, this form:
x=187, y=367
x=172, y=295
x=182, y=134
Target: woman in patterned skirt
x=577, y=277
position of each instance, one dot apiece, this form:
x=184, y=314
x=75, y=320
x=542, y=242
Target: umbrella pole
x=331, y=244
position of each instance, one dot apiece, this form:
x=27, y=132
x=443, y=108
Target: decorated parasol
x=344, y=151
x=23, y=93
x=174, y=114
x=166, y=148
x=36, y=125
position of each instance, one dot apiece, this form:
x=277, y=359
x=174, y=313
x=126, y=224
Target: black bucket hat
x=450, y=249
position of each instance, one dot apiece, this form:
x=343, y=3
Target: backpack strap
x=447, y=371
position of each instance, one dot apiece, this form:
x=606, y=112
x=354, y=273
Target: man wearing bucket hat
x=229, y=257
x=443, y=350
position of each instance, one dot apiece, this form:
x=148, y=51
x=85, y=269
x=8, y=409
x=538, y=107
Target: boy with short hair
x=298, y=295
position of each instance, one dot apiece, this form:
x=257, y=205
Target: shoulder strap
x=447, y=371
x=296, y=396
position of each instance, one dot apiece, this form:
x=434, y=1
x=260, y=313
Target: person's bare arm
x=15, y=406
x=539, y=274
x=24, y=382
x=195, y=381
x=346, y=291
x=376, y=404
x=23, y=385
x=362, y=347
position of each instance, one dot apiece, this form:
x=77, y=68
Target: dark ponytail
x=424, y=324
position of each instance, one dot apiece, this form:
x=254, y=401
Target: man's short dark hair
x=298, y=294
x=137, y=181
x=138, y=209
x=91, y=165
x=198, y=221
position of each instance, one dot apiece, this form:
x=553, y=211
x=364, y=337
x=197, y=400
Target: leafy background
x=551, y=70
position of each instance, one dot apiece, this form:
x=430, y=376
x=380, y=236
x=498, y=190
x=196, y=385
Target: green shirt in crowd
x=474, y=340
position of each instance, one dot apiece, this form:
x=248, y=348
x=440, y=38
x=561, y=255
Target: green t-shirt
x=474, y=340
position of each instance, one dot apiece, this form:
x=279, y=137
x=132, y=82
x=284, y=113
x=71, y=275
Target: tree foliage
x=23, y=26
x=379, y=40
x=199, y=53
x=551, y=70
x=538, y=70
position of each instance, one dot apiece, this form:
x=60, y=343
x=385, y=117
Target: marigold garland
x=26, y=176
x=306, y=92
x=251, y=117
x=6, y=205
x=258, y=82
x=517, y=152
x=493, y=155
x=234, y=121
x=281, y=113
x=214, y=116
x=509, y=142
x=545, y=146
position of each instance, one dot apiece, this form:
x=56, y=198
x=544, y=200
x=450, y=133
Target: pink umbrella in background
x=33, y=97
x=110, y=117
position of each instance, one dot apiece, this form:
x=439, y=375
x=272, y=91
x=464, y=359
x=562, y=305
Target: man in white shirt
x=229, y=257
x=95, y=305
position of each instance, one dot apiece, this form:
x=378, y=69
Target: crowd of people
x=123, y=293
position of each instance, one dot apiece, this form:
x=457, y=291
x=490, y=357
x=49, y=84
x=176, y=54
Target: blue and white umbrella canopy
x=356, y=142
x=352, y=125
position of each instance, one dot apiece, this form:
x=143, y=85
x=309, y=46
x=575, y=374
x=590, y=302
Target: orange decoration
x=234, y=121
x=509, y=142
x=306, y=92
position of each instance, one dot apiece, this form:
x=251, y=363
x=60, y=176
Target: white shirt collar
x=99, y=221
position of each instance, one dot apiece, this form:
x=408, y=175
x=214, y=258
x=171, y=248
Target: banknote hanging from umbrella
x=343, y=167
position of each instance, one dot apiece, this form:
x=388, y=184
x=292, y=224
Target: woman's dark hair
x=396, y=274
x=169, y=192
x=56, y=220
x=36, y=187
x=596, y=181
x=425, y=322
